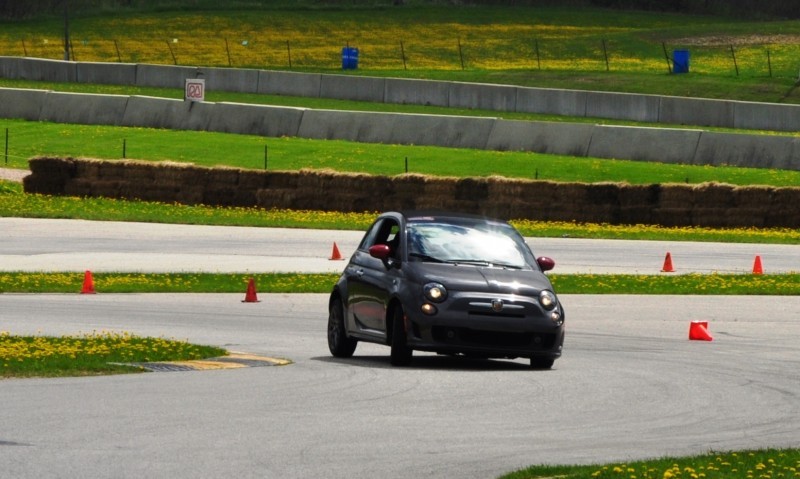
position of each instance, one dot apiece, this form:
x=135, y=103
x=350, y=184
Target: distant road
x=79, y=245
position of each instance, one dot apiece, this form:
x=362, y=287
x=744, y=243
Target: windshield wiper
x=425, y=257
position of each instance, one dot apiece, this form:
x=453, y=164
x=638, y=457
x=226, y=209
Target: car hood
x=483, y=279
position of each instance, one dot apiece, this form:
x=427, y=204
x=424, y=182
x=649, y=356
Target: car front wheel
x=340, y=345
x=542, y=363
x=401, y=353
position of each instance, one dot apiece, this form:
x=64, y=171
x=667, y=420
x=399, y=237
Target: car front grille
x=475, y=337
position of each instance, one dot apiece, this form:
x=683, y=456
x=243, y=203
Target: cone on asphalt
x=757, y=268
x=336, y=255
x=698, y=331
x=667, y=268
x=250, y=296
x=88, y=283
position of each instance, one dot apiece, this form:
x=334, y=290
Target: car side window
x=385, y=231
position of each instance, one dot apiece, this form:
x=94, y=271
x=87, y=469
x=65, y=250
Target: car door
x=370, y=280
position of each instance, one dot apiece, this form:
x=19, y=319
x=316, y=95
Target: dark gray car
x=447, y=283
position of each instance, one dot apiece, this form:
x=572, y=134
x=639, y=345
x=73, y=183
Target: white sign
x=195, y=89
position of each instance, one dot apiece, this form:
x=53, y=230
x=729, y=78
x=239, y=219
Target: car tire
x=340, y=345
x=401, y=353
x=542, y=363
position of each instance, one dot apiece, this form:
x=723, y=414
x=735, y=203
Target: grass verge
x=684, y=284
x=15, y=203
x=93, y=353
x=762, y=463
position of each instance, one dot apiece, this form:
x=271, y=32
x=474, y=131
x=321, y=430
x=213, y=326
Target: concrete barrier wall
x=83, y=108
x=708, y=204
x=106, y=73
x=573, y=139
x=21, y=103
x=551, y=102
x=354, y=88
x=289, y=84
x=230, y=79
x=696, y=111
x=417, y=92
x=620, y=106
x=164, y=76
x=644, y=144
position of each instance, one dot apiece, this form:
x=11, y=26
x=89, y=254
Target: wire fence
x=765, y=59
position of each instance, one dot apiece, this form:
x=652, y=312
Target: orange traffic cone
x=250, y=296
x=698, y=331
x=336, y=255
x=757, y=268
x=668, y=264
x=88, y=283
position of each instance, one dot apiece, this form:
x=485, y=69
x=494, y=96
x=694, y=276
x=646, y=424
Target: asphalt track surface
x=630, y=384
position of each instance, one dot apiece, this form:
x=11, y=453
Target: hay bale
x=52, y=167
x=712, y=217
x=604, y=193
x=676, y=196
x=78, y=187
x=471, y=189
x=222, y=176
x=638, y=195
x=282, y=179
x=673, y=216
x=87, y=168
x=252, y=180
x=107, y=188
x=753, y=196
x=112, y=170
x=714, y=195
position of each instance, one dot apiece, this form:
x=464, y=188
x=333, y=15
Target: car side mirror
x=546, y=263
x=380, y=251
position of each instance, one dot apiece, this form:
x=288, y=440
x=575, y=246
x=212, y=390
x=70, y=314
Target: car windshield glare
x=485, y=244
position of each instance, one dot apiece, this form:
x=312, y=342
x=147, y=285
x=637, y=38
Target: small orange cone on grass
x=250, y=296
x=88, y=283
x=757, y=267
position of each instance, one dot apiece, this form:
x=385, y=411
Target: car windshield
x=482, y=244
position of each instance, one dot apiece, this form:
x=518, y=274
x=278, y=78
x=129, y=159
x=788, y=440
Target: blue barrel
x=680, y=61
x=349, y=58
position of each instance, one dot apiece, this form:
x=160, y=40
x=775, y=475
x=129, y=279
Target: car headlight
x=548, y=300
x=435, y=292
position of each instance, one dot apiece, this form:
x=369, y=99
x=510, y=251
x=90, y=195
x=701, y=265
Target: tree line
x=25, y=9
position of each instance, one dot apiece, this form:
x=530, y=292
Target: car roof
x=433, y=215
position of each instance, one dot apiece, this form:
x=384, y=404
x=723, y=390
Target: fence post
x=538, y=58
x=666, y=55
x=6, y=146
x=174, y=60
x=733, y=55
x=228, y=51
x=605, y=53
x=403, y=54
x=289, y=52
x=116, y=47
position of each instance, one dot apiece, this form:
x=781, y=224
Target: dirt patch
x=739, y=40
x=11, y=174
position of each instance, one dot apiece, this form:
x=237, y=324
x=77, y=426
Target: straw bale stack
x=49, y=175
x=712, y=203
x=637, y=202
x=784, y=211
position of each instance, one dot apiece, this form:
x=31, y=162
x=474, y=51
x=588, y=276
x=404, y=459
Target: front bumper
x=467, y=324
